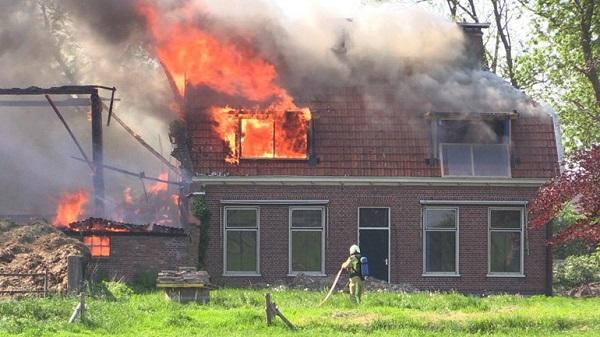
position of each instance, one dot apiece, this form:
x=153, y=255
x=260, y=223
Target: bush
x=119, y=290
x=577, y=270
x=144, y=281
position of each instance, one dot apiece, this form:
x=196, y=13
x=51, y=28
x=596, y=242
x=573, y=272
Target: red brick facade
x=406, y=263
x=357, y=138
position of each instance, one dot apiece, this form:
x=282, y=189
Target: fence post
x=82, y=305
x=45, y=281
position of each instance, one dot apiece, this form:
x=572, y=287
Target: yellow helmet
x=354, y=249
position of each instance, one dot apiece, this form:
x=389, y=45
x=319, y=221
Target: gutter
x=367, y=181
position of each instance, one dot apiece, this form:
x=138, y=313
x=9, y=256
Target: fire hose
x=335, y=281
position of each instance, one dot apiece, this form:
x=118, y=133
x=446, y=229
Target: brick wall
x=134, y=253
x=405, y=226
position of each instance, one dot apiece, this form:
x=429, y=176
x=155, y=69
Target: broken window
x=440, y=226
x=282, y=136
x=505, y=241
x=241, y=240
x=98, y=245
x=474, y=147
x=307, y=239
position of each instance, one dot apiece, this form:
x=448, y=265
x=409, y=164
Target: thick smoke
x=416, y=57
x=55, y=43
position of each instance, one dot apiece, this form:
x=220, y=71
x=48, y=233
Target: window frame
x=424, y=231
x=291, y=229
x=521, y=229
x=440, y=153
x=91, y=236
x=242, y=229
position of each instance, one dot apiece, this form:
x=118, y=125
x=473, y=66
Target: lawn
x=240, y=312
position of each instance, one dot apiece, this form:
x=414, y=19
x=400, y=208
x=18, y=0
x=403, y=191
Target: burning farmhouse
x=296, y=151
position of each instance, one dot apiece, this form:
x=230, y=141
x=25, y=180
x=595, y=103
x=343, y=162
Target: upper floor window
x=283, y=136
x=474, y=147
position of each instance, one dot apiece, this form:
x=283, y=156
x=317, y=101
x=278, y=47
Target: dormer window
x=478, y=148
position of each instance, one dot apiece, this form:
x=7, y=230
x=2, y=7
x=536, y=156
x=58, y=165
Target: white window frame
x=471, y=145
x=307, y=229
x=456, y=273
x=388, y=228
x=521, y=273
x=235, y=229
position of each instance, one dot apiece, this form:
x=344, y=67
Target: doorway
x=374, y=239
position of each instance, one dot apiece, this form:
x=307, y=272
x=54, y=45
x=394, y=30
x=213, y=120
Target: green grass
x=240, y=312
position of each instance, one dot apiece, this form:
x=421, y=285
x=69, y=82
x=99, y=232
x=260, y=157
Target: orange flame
x=195, y=56
x=70, y=207
x=159, y=187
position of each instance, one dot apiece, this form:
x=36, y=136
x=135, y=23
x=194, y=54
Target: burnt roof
x=103, y=226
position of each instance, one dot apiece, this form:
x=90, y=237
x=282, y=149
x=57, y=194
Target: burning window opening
x=263, y=135
x=99, y=245
x=474, y=147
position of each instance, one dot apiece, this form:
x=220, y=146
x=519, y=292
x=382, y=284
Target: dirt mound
x=31, y=248
x=586, y=290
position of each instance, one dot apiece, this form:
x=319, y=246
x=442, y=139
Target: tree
x=579, y=186
x=561, y=66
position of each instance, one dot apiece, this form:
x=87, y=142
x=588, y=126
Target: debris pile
x=183, y=276
x=185, y=285
x=308, y=282
x=586, y=290
x=31, y=248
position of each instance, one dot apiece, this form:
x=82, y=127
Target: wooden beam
x=64, y=90
x=97, y=154
x=70, y=132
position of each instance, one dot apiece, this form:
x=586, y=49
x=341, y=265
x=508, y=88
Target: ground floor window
x=241, y=240
x=505, y=241
x=98, y=245
x=440, y=241
x=307, y=240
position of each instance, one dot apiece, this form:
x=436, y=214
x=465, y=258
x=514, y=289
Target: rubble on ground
x=586, y=290
x=309, y=282
x=31, y=248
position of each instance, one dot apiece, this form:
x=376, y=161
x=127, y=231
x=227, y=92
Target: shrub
x=577, y=270
x=144, y=281
x=119, y=290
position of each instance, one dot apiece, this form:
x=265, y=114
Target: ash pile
x=31, y=248
x=586, y=290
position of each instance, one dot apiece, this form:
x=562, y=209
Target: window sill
x=228, y=274
x=440, y=275
x=318, y=274
x=517, y=275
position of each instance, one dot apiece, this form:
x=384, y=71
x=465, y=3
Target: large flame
x=199, y=58
x=70, y=207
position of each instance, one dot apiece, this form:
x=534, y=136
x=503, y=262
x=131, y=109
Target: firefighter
x=352, y=265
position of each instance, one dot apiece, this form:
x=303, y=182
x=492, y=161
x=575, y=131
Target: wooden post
x=268, y=310
x=46, y=282
x=82, y=306
x=74, y=274
x=97, y=154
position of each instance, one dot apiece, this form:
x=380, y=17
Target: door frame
x=377, y=228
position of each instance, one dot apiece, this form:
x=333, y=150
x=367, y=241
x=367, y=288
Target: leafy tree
x=578, y=185
x=561, y=66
